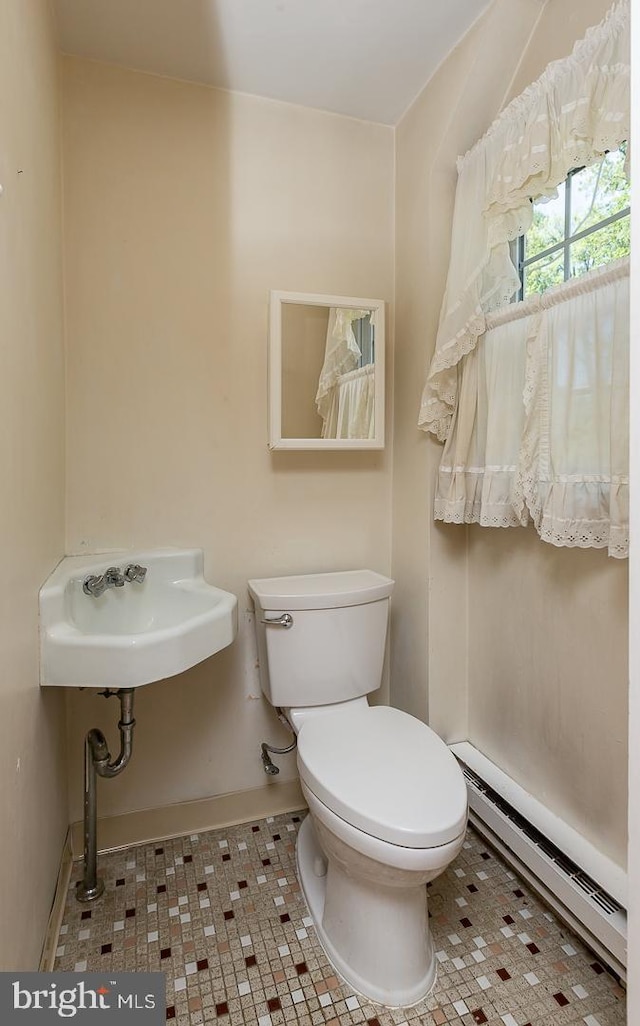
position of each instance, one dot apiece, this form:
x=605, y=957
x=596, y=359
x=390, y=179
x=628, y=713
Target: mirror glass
x=326, y=372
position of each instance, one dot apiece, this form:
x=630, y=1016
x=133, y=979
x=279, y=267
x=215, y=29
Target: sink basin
x=135, y=634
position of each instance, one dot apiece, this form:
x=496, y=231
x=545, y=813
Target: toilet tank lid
x=321, y=591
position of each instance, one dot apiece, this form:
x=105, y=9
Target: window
x=585, y=226
x=364, y=332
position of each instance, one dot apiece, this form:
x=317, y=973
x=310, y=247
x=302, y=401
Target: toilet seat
x=393, y=856
x=386, y=773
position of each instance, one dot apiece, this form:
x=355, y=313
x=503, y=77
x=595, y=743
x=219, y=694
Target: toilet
x=387, y=799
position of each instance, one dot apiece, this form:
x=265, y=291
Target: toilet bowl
x=387, y=799
x=374, y=837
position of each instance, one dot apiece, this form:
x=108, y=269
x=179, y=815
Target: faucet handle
x=135, y=572
x=114, y=577
x=94, y=585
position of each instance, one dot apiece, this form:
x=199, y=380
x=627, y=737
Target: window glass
x=585, y=226
x=598, y=191
x=544, y=273
x=548, y=223
x=601, y=247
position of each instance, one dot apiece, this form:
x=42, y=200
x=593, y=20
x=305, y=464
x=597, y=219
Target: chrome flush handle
x=286, y=621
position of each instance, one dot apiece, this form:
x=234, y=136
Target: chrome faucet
x=113, y=577
x=135, y=572
x=97, y=584
x=94, y=585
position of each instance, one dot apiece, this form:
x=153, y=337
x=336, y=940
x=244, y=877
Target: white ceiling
x=365, y=58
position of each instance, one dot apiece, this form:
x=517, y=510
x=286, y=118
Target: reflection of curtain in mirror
x=342, y=355
x=351, y=409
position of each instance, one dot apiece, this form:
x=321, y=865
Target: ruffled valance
x=576, y=111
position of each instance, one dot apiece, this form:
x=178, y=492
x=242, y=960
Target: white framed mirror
x=326, y=372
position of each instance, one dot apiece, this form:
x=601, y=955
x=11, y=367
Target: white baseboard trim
x=57, y=909
x=131, y=828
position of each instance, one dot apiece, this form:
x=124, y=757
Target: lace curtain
x=351, y=410
x=577, y=110
x=541, y=428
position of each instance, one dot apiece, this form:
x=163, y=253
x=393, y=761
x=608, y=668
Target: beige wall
x=548, y=680
x=183, y=206
x=32, y=777
x=429, y=639
x=548, y=675
x=517, y=645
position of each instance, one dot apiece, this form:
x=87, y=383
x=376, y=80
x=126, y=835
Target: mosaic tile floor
x=222, y=915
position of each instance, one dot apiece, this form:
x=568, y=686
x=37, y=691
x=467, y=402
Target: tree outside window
x=586, y=226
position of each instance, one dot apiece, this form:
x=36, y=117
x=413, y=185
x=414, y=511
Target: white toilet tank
x=333, y=647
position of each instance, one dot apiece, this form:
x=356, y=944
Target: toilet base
x=376, y=936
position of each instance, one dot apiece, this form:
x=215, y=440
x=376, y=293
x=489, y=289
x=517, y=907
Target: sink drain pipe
x=97, y=763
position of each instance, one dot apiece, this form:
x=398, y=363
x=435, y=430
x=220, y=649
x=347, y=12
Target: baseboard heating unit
x=585, y=888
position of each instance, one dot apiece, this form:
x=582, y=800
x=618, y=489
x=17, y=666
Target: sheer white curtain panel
x=573, y=474
x=541, y=427
x=477, y=476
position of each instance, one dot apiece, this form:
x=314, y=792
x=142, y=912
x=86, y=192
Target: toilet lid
x=386, y=773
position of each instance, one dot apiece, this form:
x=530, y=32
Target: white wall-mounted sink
x=135, y=634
